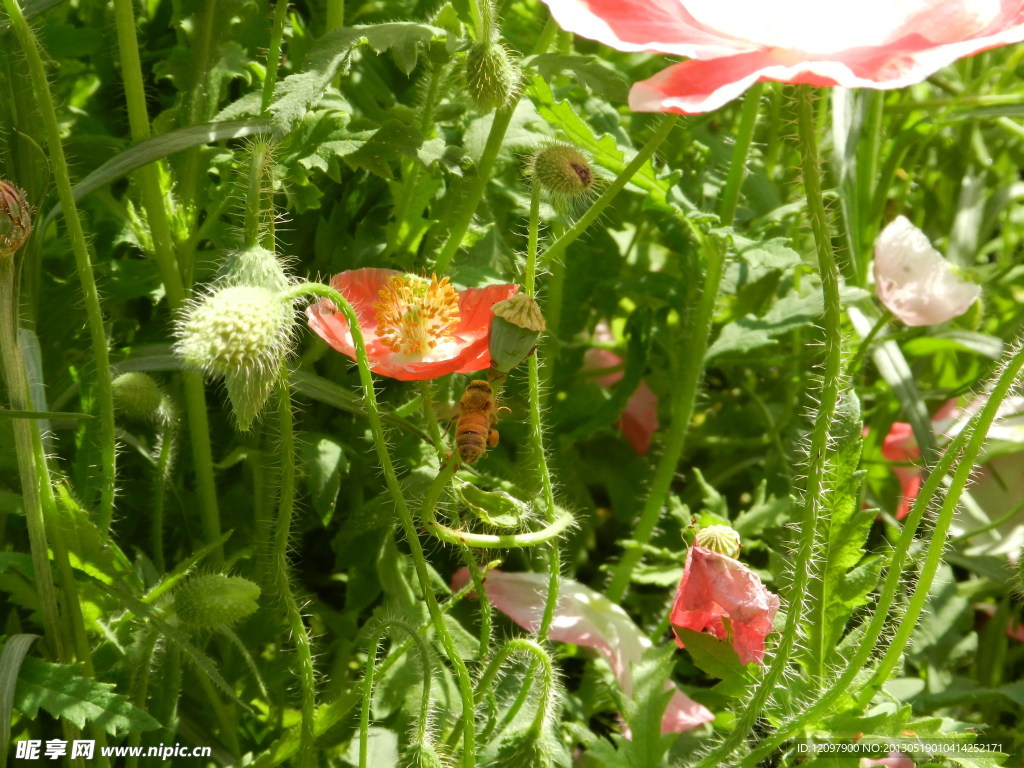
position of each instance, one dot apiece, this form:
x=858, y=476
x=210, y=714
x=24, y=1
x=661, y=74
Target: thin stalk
x=402, y=507
x=83, y=264
x=274, y=54
x=818, y=450
x=282, y=580
x=430, y=416
x=537, y=427
x=371, y=664
x=160, y=494
x=740, y=152
x=154, y=202
x=473, y=190
x=682, y=404
x=33, y=474
x=557, y=248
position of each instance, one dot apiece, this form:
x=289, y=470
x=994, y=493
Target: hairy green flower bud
x=565, y=174
x=15, y=219
x=243, y=334
x=721, y=539
x=210, y=601
x=255, y=266
x=515, y=329
x=138, y=396
x=527, y=749
x=492, y=75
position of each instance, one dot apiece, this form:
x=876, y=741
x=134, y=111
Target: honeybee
x=474, y=431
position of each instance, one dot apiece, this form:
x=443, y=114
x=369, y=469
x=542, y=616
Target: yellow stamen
x=414, y=315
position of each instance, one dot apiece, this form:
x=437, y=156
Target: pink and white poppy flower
x=716, y=587
x=733, y=44
x=639, y=419
x=586, y=618
x=914, y=281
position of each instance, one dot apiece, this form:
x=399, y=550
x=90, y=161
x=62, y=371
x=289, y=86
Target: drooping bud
x=565, y=174
x=138, y=396
x=527, y=749
x=243, y=334
x=254, y=266
x=721, y=539
x=210, y=601
x=15, y=219
x=515, y=329
x=492, y=75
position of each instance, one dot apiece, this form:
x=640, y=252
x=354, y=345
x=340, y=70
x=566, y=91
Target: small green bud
x=15, y=219
x=564, y=173
x=721, y=539
x=210, y=601
x=492, y=75
x=527, y=749
x=138, y=396
x=242, y=333
x=255, y=266
x=515, y=329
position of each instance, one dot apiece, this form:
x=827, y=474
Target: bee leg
x=492, y=438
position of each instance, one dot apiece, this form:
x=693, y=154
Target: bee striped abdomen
x=477, y=417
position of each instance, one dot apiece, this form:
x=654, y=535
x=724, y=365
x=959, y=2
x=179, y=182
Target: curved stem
x=818, y=450
x=408, y=525
x=83, y=264
x=371, y=663
x=282, y=580
x=741, y=149
x=537, y=428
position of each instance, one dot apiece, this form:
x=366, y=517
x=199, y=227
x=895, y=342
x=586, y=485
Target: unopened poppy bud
x=15, y=219
x=528, y=749
x=138, y=396
x=255, y=266
x=565, y=173
x=515, y=329
x=492, y=75
x=210, y=601
x=243, y=334
x=721, y=539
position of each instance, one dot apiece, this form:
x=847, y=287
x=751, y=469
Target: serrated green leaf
x=297, y=93
x=589, y=70
x=11, y=658
x=61, y=691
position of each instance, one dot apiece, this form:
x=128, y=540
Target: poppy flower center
x=415, y=315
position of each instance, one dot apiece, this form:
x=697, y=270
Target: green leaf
x=157, y=148
x=716, y=658
x=11, y=659
x=589, y=70
x=61, y=691
x=496, y=508
x=325, y=463
x=297, y=93
x=763, y=255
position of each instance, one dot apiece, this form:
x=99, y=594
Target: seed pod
x=423, y=756
x=492, y=75
x=515, y=329
x=721, y=539
x=15, y=219
x=565, y=174
x=138, y=396
x=243, y=334
x=210, y=601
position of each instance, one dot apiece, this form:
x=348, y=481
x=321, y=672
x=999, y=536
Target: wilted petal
x=893, y=760
x=914, y=282
x=716, y=587
x=587, y=618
